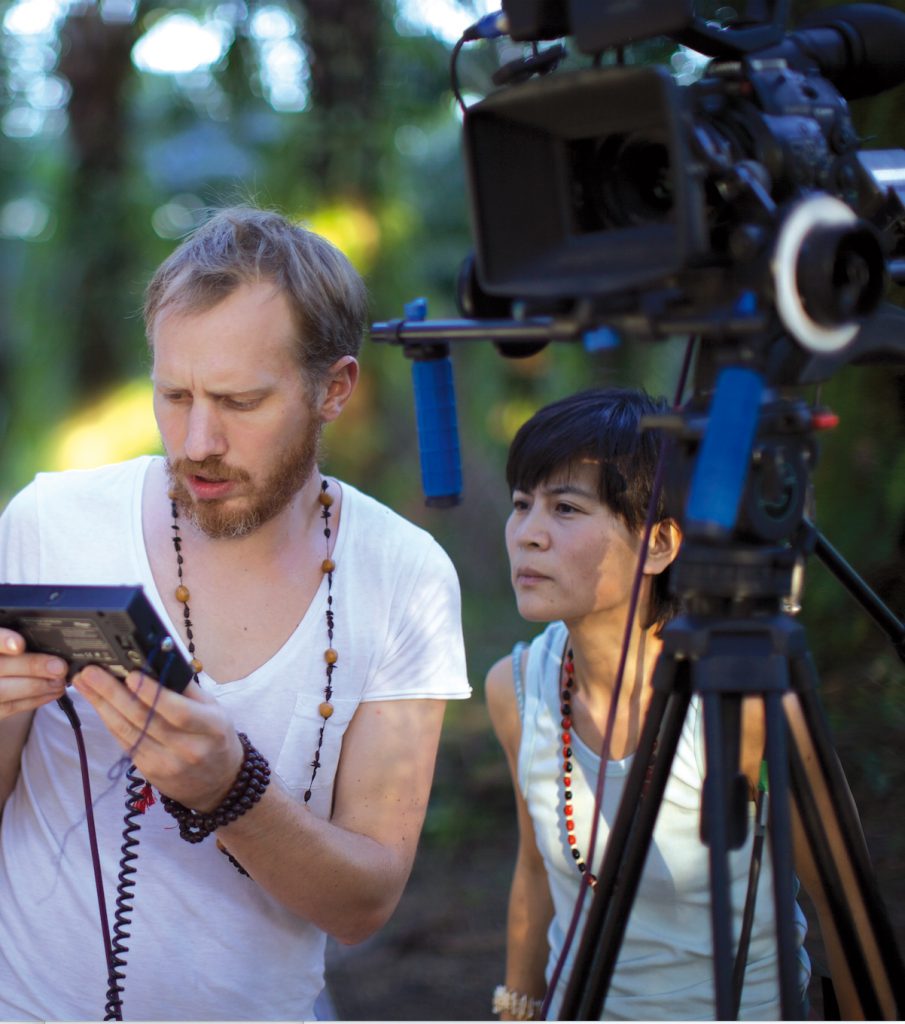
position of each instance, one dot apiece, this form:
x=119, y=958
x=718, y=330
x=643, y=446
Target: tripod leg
x=724, y=827
x=780, y=833
x=627, y=846
x=837, y=845
x=716, y=835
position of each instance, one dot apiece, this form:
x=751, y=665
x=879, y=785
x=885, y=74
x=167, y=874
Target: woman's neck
x=598, y=656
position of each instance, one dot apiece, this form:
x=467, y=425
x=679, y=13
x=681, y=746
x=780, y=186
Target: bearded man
x=324, y=635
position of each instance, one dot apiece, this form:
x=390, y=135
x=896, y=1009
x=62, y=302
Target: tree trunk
x=95, y=286
x=343, y=42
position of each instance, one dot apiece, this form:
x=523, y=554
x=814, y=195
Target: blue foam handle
x=438, y=432
x=721, y=468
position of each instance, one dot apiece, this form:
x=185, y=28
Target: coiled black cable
x=138, y=798
x=68, y=708
x=135, y=797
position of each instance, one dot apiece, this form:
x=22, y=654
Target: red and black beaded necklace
x=331, y=656
x=567, y=684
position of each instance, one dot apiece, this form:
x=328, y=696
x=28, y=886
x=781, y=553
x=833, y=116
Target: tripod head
x=740, y=551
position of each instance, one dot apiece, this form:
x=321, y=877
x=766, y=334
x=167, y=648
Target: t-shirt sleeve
x=19, y=548
x=425, y=655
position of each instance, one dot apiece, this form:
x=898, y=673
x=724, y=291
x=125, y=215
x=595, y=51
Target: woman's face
x=570, y=556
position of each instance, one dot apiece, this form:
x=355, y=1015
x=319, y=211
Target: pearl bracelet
x=516, y=1004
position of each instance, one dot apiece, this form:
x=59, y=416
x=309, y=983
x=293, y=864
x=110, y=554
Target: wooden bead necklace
x=331, y=656
x=568, y=685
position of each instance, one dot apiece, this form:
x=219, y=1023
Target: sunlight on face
x=571, y=557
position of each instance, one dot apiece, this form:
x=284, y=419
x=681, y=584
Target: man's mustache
x=211, y=468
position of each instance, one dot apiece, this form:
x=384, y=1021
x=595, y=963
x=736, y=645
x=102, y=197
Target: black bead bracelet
x=252, y=780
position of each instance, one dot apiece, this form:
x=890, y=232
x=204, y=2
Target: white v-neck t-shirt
x=205, y=942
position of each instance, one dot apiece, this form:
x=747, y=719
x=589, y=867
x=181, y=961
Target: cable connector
x=491, y=26
x=68, y=708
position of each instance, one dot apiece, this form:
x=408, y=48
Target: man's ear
x=341, y=380
x=663, y=546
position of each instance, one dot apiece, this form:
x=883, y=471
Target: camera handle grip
x=721, y=467
x=435, y=416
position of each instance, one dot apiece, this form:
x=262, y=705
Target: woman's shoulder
x=510, y=677
x=502, y=707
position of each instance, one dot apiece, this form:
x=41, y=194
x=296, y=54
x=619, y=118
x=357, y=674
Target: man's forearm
x=13, y=734
x=346, y=883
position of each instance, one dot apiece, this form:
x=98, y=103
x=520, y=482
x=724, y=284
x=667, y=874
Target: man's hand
x=27, y=680
x=184, y=744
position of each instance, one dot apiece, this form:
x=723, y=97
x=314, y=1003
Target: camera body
x=617, y=190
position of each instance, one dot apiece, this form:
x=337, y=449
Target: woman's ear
x=663, y=546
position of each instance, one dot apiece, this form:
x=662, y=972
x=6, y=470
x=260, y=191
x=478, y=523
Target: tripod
x=733, y=642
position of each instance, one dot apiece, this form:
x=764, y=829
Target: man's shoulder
x=95, y=480
x=103, y=493
x=387, y=542
x=368, y=513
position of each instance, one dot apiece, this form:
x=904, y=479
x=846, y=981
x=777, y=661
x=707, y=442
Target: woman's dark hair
x=602, y=426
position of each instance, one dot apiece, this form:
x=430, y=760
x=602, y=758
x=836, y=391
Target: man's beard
x=214, y=518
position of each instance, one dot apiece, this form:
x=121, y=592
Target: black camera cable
x=65, y=702
x=138, y=798
x=492, y=26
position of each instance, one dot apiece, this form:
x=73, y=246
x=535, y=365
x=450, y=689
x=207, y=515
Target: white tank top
x=665, y=967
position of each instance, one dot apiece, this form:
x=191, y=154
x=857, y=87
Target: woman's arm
x=530, y=906
x=13, y=734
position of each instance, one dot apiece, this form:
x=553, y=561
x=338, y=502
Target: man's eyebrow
x=258, y=392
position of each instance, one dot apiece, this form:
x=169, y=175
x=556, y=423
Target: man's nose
x=205, y=435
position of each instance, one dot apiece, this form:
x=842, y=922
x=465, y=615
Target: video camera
x=738, y=209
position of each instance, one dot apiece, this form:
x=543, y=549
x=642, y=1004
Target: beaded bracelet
x=516, y=1004
x=252, y=780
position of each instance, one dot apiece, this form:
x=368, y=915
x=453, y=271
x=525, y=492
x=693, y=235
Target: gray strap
x=517, y=680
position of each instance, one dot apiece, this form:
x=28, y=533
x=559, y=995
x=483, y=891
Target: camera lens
x=840, y=273
x=628, y=181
